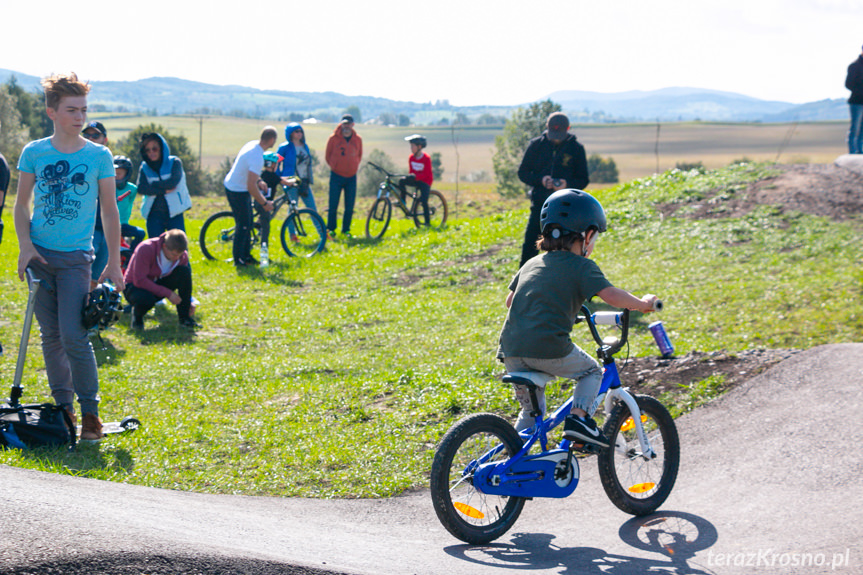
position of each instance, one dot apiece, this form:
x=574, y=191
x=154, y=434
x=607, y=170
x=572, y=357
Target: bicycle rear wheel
x=634, y=484
x=310, y=234
x=217, y=236
x=379, y=218
x=438, y=210
x=462, y=509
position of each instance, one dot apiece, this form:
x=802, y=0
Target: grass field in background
x=632, y=146
x=335, y=376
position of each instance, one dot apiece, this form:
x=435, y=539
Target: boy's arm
x=21, y=214
x=111, y=228
x=623, y=299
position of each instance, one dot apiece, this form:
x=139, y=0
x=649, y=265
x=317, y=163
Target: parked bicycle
x=309, y=231
x=391, y=192
x=483, y=471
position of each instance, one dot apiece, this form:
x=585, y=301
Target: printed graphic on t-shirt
x=62, y=186
x=417, y=166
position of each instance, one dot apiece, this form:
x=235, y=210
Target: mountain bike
x=391, y=192
x=309, y=238
x=483, y=470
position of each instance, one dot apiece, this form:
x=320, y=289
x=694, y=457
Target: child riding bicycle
x=420, y=176
x=544, y=299
x=268, y=184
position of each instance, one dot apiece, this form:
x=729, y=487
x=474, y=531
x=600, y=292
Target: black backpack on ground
x=35, y=425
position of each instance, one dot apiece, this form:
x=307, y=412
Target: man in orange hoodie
x=344, y=154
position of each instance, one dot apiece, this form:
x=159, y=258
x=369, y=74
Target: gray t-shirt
x=549, y=291
x=304, y=164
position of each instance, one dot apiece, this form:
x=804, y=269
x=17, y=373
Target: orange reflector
x=642, y=487
x=468, y=510
x=629, y=424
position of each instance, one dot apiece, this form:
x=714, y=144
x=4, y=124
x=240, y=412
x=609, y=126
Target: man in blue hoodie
x=297, y=162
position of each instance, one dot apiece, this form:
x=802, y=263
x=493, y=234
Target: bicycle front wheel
x=379, y=218
x=462, y=509
x=634, y=484
x=438, y=211
x=309, y=237
x=217, y=236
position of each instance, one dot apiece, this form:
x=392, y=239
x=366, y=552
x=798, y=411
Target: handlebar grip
x=607, y=318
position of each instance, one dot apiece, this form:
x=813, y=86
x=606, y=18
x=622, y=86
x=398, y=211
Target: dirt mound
x=656, y=375
x=824, y=190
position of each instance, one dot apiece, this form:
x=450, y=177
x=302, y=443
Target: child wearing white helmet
x=545, y=296
x=421, y=177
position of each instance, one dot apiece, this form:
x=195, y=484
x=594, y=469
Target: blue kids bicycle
x=484, y=471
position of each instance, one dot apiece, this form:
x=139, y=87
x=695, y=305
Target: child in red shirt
x=420, y=166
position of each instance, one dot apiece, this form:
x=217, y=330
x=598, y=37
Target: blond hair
x=59, y=86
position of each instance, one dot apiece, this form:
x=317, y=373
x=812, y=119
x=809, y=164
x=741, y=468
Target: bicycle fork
x=621, y=394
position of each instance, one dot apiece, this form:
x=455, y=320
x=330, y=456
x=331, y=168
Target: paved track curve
x=770, y=482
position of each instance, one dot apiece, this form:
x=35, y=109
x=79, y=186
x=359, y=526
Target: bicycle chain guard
x=540, y=475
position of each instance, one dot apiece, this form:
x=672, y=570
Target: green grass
x=336, y=376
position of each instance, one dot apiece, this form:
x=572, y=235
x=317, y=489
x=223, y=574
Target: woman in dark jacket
x=162, y=183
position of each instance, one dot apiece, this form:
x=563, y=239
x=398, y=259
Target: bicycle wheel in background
x=438, y=210
x=310, y=235
x=634, y=484
x=217, y=236
x=466, y=512
x=379, y=218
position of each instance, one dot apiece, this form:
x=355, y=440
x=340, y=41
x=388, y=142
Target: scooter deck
x=126, y=425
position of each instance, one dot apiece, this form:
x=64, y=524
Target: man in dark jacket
x=854, y=82
x=553, y=161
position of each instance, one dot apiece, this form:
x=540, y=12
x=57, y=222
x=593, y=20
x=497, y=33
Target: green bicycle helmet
x=574, y=211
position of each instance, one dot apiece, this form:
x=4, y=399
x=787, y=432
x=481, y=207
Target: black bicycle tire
x=419, y=220
x=455, y=438
x=202, y=241
x=384, y=201
x=319, y=225
x=608, y=472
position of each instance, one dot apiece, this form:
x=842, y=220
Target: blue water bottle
x=661, y=338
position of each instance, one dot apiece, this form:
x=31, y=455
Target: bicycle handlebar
x=618, y=318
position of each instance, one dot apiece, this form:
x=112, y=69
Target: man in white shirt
x=241, y=187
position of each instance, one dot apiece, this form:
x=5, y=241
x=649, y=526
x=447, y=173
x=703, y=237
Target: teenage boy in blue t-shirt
x=63, y=176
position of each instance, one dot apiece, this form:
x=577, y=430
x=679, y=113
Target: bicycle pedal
x=585, y=448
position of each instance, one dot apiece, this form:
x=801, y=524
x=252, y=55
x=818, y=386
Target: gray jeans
x=577, y=366
x=69, y=359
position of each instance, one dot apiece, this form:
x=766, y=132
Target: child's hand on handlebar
x=651, y=303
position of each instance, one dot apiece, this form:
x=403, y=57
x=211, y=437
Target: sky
x=470, y=52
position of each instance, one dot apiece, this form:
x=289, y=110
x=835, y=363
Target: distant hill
x=177, y=96
x=688, y=104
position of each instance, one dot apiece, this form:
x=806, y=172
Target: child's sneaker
x=295, y=239
x=583, y=430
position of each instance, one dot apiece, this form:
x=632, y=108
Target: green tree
x=31, y=108
x=13, y=135
x=198, y=181
x=601, y=170
x=369, y=178
x=522, y=126
x=437, y=166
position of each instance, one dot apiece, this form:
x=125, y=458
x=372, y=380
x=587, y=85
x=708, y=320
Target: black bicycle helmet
x=574, y=211
x=102, y=309
x=417, y=139
x=126, y=164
